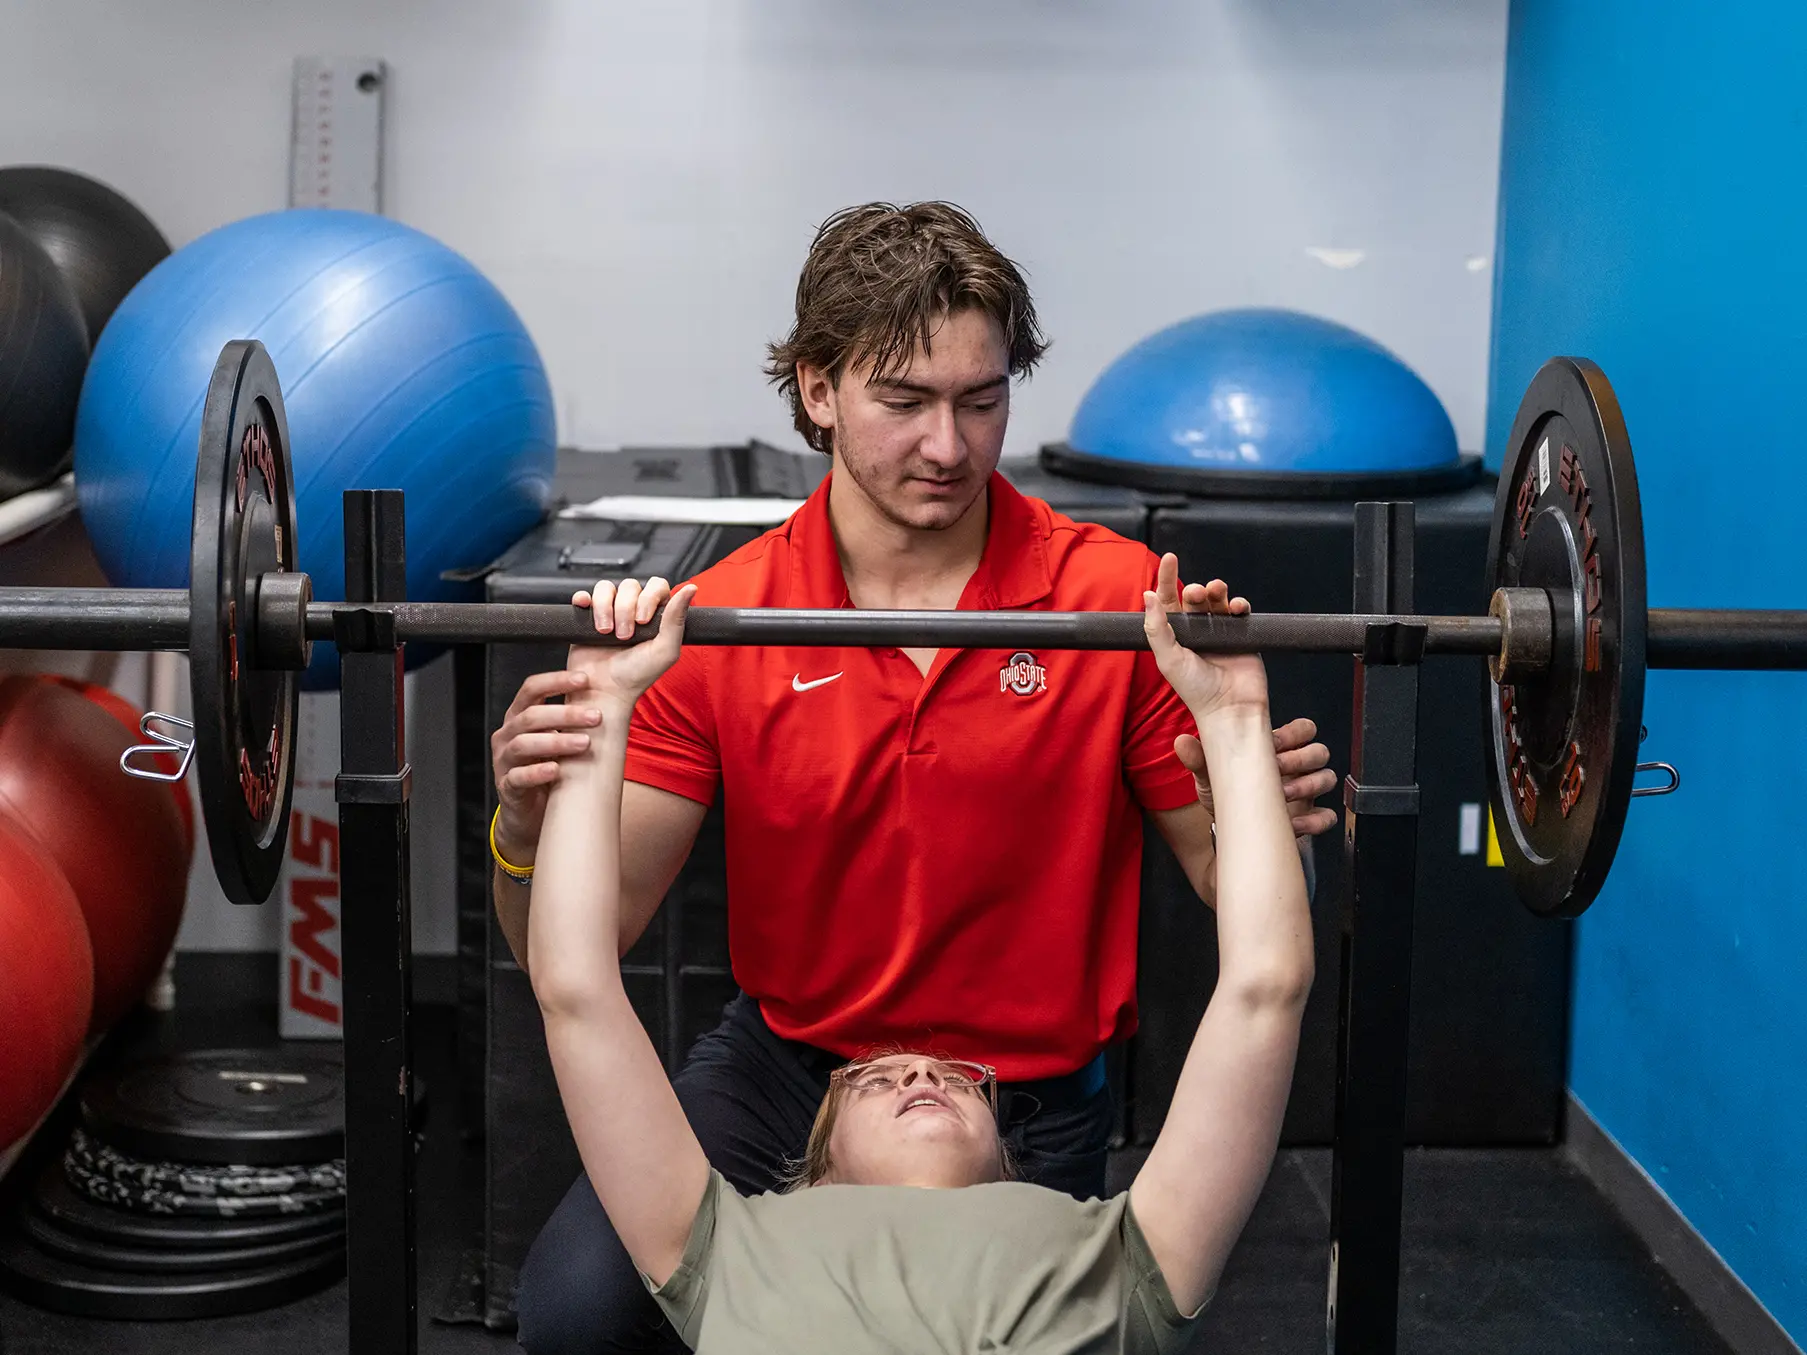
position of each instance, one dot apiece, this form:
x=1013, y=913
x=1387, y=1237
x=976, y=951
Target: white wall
x=642, y=180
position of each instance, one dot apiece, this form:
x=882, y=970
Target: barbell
x=1567, y=636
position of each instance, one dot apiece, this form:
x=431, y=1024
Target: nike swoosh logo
x=799, y=685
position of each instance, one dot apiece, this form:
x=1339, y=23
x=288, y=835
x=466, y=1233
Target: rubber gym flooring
x=1507, y=1252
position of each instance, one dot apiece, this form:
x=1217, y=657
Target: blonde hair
x=817, y=1160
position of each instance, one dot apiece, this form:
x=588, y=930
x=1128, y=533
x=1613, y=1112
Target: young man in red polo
x=924, y=848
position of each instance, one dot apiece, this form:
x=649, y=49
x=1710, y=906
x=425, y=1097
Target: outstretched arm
x=638, y=1150
x=1304, y=773
x=1195, y=1192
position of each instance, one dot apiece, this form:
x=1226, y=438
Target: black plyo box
x=1490, y=982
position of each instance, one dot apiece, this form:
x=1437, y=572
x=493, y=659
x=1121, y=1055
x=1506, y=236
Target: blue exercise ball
x=1264, y=392
x=402, y=367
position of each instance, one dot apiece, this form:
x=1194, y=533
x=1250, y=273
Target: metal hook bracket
x=160, y=742
x=1675, y=777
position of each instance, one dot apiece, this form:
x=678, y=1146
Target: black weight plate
x=244, y=714
x=225, y=1107
x=67, y=1286
x=53, y=1239
x=1562, y=748
x=54, y=1198
x=105, y=1190
x=91, y=1155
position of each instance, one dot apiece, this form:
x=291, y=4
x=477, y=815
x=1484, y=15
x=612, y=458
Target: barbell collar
x=1682, y=637
x=280, y=633
x=1527, y=633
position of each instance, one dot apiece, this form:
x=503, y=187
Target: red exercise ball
x=131, y=717
x=46, y=982
x=117, y=839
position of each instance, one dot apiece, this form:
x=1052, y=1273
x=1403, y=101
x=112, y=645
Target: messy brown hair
x=879, y=280
x=817, y=1161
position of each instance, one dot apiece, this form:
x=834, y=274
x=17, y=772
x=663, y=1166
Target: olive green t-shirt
x=845, y=1269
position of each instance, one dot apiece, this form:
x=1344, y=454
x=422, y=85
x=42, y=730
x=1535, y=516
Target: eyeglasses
x=884, y=1075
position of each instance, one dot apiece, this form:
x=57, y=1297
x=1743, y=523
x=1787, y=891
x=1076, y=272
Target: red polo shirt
x=949, y=862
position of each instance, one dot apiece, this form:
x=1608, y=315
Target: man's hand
x=1305, y=773
x=524, y=755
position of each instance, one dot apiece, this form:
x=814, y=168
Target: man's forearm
x=512, y=897
x=1189, y=832
x=1201, y=865
x=643, y=882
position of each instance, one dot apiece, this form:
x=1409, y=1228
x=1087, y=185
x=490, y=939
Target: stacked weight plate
x=196, y=1185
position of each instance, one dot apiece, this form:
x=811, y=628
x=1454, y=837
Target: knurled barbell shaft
x=158, y=619
x=551, y=623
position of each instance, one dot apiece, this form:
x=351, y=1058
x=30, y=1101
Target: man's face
x=921, y=444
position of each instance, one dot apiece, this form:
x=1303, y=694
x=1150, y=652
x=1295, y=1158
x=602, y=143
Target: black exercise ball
x=43, y=357
x=97, y=238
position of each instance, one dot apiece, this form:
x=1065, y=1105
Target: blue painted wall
x=1653, y=217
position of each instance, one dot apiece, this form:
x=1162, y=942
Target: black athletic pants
x=751, y=1097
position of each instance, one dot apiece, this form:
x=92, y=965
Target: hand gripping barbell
x=1567, y=636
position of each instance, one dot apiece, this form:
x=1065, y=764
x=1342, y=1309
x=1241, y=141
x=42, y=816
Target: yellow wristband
x=523, y=874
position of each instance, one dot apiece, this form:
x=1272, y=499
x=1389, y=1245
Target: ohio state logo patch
x=1023, y=675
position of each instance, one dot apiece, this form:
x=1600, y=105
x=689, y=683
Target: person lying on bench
x=904, y=1230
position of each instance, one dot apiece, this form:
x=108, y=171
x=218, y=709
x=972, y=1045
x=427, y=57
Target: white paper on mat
x=674, y=508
